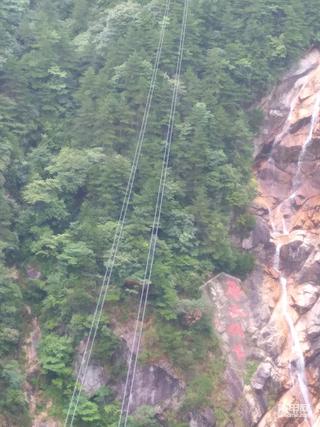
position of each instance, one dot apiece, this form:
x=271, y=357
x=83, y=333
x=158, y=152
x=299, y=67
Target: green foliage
x=107, y=344
x=143, y=417
x=12, y=398
x=198, y=392
x=55, y=355
x=112, y=413
x=74, y=78
x=251, y=367
x=10, y=309
x=186, y=345
x=222, y=416
x=88, y=412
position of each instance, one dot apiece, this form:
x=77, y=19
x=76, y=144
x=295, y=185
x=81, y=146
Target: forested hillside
x=74, y=76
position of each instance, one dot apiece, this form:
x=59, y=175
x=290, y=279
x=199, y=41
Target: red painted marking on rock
x=234, y=289
x=239, y=351
x=235, y=329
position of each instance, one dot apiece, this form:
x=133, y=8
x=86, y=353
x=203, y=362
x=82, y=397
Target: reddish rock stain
x=239, y=351
x=235, y=329
x=234, y=290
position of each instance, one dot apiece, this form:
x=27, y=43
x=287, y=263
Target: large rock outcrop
x=279, y=328
x=155, y=384
x=289, y=202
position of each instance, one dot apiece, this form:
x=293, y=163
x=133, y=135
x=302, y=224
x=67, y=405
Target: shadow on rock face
x=293, y=256
x=310, y=273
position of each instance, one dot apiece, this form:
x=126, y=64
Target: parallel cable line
x=74, y=401
x=127, y=394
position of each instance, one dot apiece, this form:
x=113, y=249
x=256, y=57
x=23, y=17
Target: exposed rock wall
x=155, y=384
x=288, y=204
x=280, y=331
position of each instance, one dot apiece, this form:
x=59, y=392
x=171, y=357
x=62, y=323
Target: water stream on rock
x=298, y=367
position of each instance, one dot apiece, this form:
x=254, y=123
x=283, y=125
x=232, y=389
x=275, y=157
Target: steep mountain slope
x=74, y=76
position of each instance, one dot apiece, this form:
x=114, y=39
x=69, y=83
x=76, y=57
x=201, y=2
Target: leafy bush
x=55, y=355
x=251, y=367
x=199, y=392
x=10, y=318
x=143, y=417
x=12, y=397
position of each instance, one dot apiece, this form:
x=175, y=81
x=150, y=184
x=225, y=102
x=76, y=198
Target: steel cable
x=128, y=389
x=74, y=401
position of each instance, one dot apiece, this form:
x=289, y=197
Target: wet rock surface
x=288, y=202
x=280, y=327
x=293, y=255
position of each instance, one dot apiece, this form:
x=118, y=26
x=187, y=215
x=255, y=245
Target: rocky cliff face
x=277, y=309
x=287, y=171
x=157, y=384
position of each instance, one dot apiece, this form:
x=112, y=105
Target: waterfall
x=300, y=364
x=299, y=368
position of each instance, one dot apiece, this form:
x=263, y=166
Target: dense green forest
x=74, y=76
